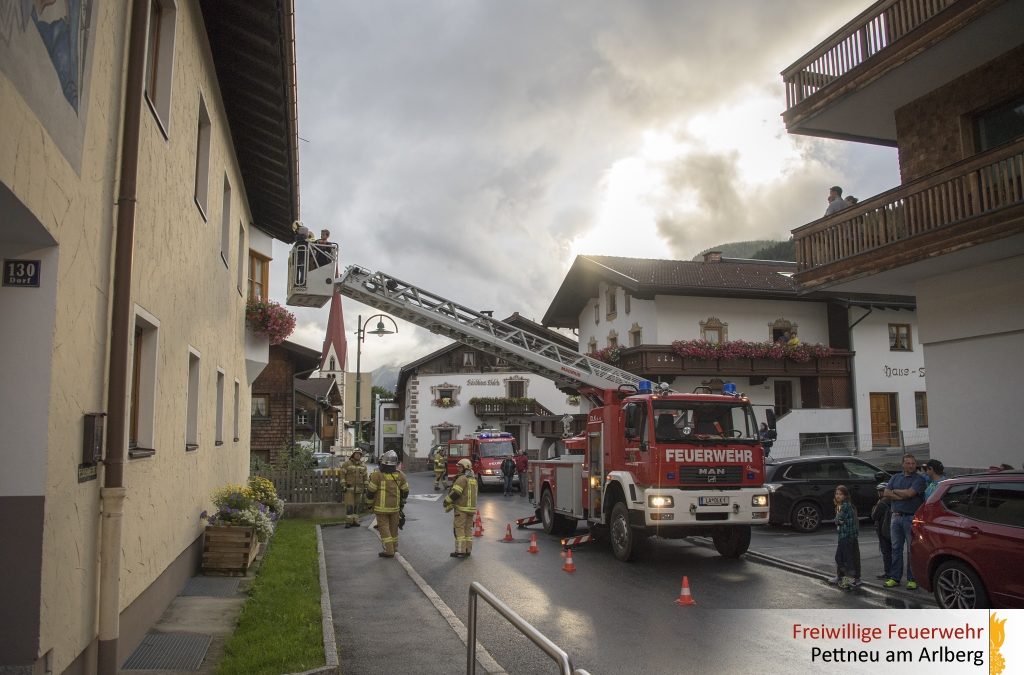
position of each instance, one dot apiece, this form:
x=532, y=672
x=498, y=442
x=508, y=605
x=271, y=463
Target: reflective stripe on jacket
x=463, y=494
x=354, y=475
x=388, y=491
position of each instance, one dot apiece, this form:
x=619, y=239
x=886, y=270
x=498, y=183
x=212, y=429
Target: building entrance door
x=783, y=397
x=885, y=420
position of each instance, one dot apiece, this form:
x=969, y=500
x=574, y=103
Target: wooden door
x=885, y=423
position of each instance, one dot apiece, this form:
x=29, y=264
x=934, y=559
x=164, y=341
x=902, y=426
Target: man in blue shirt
x=906, y=492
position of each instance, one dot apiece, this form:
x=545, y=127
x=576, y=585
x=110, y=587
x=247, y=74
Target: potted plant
x=266, y=317
x=243, y=517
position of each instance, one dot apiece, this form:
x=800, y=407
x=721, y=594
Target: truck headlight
x=660, y=502
x=759, y=500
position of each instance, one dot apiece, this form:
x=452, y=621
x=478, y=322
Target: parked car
x=801, y=489
x=965, y=537
x=325, y=460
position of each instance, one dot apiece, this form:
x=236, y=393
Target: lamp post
x=380, y=331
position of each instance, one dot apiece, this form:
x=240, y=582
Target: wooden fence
x=304, y=487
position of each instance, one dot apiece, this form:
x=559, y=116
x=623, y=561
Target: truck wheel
x=547, y=513
x=623, y=539
x=732, y=542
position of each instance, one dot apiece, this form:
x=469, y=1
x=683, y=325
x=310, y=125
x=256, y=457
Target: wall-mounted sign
x=903, y=372
x=21, y=273
x=389, y=428
x=493, y=382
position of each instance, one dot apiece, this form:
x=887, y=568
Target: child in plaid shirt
x=848, y=549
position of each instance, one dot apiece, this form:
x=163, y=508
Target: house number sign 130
x=21, y=273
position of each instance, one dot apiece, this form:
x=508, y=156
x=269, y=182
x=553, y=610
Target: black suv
x=801, y=489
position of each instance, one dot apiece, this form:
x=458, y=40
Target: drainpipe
x=853, y=379
x=113, y=492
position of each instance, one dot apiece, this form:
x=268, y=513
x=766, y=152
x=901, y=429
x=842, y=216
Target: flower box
x=229, y=549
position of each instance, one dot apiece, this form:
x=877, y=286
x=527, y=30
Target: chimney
x=713, y=257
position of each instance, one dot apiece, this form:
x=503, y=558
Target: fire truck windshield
x=496, y=448
x=686, y=421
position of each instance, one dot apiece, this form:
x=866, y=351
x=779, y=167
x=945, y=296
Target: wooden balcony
x=550, y=426
x=509, y=408
x=652, y=361
x=975, y=201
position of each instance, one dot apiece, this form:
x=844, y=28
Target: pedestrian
x=440, y=468
x=767, y=437
x=387, y=491
x=353, y=481
x=933, y=469
x=905, y=492
x=836, y=202
x=881, y=516
x=462, y=499
x=847, y=572
x=522, y=464
x=508, y=472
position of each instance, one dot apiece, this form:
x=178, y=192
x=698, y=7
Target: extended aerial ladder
x=524, y=350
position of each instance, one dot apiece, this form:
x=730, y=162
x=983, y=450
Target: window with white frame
x=260, y=406
x=592, y=346
x=515, y=388
x=160, y=60
x=636, y=336
x=302, y=416
x=626, y=302
x=610, y=302
x=142, y=409
x=714, y=331
x=218, y=436
x=899, y=337
x=241, y=258
x=202, y=186
x=192, y=405
x=237, y=410
x=921, y=408
x=613, y=339
x=468, y=360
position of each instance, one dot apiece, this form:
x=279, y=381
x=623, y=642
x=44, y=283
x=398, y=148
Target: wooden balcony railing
x=875, y=29
x=551, y=426
x=967, y=190
x=509, y=408
x=662, y=360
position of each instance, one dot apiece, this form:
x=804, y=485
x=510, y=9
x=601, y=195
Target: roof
x=646, y=277
x=335, y=335
x=253, y=47
x=316, y=387
x=305, y=358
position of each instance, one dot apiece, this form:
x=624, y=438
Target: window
x=260, y=406
x=225, y=224
x=516, y=388
x=597, y=313
x=859, y=470
x=714, y=331
x=635, y=336
x=258, y=267
x=625, y=302
x=899, y=337
x=236, y=410
x=777, y=329
x=445, y=393
x=468, y=360
x=921, y=407
x=241, y=257
x=960, y=498
x=613, y=340
x=202, y=187
x=999, y=125
x=1005, y=504
x=142, y=410
x=302, y=417
x=160, y=59
x=218, y=437
x=392, y=414
x=592, y=346
x=444, y=435
x=610, y=302
x=192, y=405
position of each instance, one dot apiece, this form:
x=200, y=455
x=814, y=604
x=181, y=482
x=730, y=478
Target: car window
x=959, y=498
x=860, y=469
x=1001, y=503
x=807, y=471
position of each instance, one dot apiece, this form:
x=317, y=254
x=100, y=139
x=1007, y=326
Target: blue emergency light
x=645, y=387
x=729, y=389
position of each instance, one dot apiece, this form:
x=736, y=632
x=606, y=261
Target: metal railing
x=556, y=653
x=909, y=440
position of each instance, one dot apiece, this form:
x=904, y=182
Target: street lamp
x=380, y=331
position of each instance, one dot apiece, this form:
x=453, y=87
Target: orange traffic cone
x=533, y=543
x=684, y=594
x=479, y=531
x=508, y=533
x=569, y=566
x=479, y=525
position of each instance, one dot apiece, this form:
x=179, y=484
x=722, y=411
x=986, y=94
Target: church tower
x=332, y=357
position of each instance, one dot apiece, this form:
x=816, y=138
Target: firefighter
x=462, y=499
x=386, y=492
x=440, y=468
x=353, y=483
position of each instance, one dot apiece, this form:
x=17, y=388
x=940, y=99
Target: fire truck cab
x=487, y=449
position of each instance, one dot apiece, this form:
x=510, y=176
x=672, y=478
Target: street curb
x=326, y=617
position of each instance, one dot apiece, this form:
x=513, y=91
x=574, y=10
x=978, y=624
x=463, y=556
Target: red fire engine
x=650, y=462
x=487, y=449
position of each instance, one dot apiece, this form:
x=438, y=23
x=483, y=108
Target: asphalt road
x=606, y=609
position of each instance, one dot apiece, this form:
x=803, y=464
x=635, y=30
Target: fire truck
x=651, y=461
x=487, y=449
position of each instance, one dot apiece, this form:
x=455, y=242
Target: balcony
x=934, y=222
x=507, y=407
x=894, y=52
x=552, y=426
x=652, y=361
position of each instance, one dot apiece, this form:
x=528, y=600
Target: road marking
x=426, y=497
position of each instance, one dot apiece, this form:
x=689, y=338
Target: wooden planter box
x=229, y=549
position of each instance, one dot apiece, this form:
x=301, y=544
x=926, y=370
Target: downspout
x=113, y=493
x=853, y=380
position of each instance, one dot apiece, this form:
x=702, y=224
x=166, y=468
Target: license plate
x=714, y=501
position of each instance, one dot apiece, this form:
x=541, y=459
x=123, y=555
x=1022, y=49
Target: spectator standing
x=933, y=469
x=836, y=203
x=508, y=472
x=881, y=516
x=522, y=464
x=905, y=492
x=767, y=437
x=847, y=572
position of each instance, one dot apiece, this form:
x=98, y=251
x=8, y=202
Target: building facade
x=274, y=420
x=132, y=208
x=944, y=84
x=656, y=318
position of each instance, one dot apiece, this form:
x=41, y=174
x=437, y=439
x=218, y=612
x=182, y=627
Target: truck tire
x=732, y=542
x=548, y=517
x=623, y=539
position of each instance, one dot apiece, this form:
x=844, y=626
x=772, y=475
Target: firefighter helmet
x=389, y=458
x=465, y=464
x=357, y=454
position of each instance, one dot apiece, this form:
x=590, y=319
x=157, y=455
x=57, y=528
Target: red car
x=964, y=537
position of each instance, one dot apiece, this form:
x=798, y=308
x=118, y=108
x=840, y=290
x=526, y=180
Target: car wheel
x=621, y=535
x=957, y=586
x=806, y=517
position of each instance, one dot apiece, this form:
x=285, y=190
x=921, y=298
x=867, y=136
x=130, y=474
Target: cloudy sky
x=475, y=147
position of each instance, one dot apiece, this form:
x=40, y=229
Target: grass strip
x=279, y=630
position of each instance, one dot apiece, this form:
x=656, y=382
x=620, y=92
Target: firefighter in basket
x=386, y=492
x=440, y=468
x=462, y=498
x=353, y=484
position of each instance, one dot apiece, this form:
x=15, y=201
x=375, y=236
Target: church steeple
x=332, y=359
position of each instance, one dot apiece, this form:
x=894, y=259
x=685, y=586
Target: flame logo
x=997, y=635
